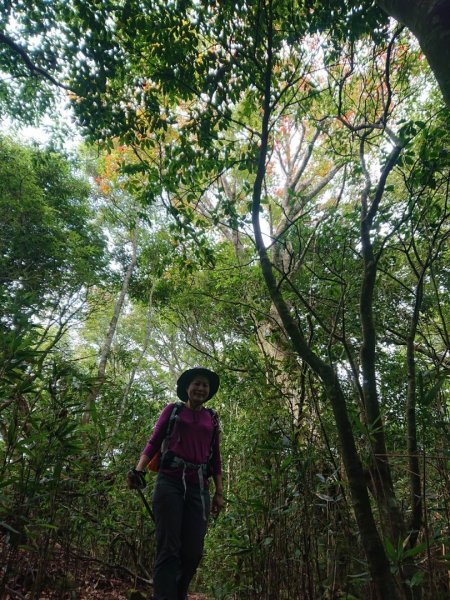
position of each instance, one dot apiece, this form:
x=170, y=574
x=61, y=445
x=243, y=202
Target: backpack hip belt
x=201, y=469
x=176, y=462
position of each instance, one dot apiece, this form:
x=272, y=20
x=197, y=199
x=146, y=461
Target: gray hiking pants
x=180, y=533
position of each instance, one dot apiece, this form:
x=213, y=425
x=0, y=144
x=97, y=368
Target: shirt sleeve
x=159, y=432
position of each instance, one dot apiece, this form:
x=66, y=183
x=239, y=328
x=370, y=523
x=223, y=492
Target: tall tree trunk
x=148, y=334
x=300, y=190
x=382, y=485
x=413, y=457
x=429, y=21
x=106, y=349
x=377, y=560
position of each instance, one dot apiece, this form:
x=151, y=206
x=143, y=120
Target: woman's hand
x=218, y=503
x=136, y=479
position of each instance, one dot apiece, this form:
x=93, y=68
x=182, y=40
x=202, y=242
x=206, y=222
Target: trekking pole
x=138, y=485
x=146, y=504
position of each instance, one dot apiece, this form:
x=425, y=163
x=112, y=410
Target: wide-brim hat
x=185, y=379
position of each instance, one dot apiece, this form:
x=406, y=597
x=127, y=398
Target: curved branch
x=34, y=69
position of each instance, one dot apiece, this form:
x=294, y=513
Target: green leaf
x=415, y=551
x=390, y=551
x=417, y=579
x=4, y=525
x=432, y=394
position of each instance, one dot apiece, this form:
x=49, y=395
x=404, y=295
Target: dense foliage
x=270, y=198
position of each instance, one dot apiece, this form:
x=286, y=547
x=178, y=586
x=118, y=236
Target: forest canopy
x=263, y=189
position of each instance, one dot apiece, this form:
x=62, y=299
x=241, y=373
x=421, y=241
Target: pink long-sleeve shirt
x=190, y=440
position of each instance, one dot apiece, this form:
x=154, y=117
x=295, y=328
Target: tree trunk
x=429, y=21
x=382, y=485
x=413, y=457
x=101, y=372
x=377, y=560
x=148, y=334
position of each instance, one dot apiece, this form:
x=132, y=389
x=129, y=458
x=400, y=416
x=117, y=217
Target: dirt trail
x=67, y=578
x=117, y=591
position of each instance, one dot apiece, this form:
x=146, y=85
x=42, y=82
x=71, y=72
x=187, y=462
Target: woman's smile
x=198, y=391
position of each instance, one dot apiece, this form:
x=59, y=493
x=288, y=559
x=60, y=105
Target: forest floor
x=69, y=580
x=94, y=586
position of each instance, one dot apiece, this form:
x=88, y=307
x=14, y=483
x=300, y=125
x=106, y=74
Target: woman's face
x=198, y=390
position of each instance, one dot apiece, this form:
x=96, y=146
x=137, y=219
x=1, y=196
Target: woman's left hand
x=218, y=503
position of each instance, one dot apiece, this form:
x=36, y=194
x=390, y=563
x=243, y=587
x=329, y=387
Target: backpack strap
x=155, y=462
x=215, y=420
x=170, y=425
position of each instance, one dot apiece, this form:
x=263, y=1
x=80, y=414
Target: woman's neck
x=195, y=408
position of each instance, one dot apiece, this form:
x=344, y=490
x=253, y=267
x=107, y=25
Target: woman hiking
x=187, y=435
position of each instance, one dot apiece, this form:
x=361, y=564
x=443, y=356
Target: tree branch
x=34, y=69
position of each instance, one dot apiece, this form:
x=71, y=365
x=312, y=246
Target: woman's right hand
x=136, y=479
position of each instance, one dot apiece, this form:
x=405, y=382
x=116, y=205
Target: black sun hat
x=185, y=379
